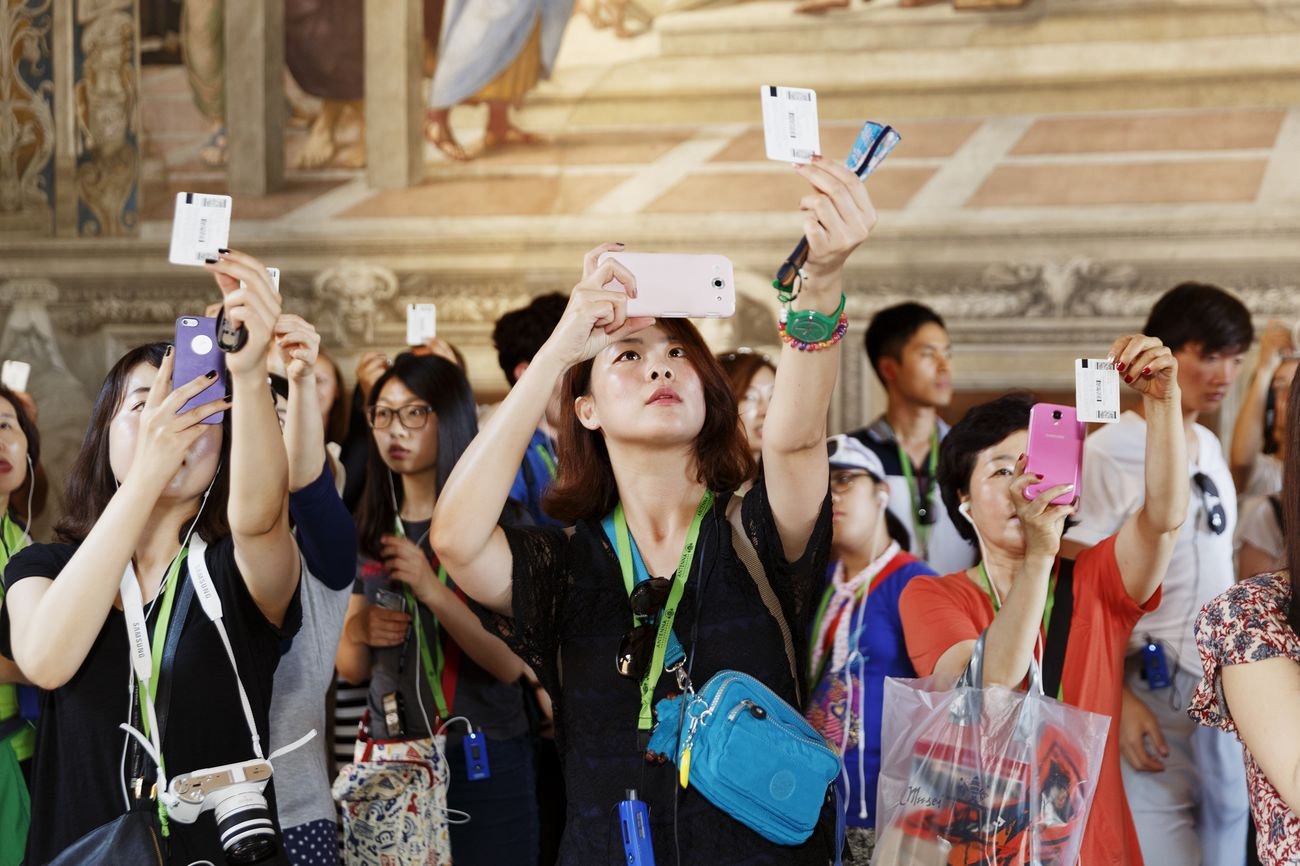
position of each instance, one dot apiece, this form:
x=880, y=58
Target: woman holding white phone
x=650, y=431
x=147, y=485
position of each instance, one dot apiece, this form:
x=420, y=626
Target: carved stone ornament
x=352, y=297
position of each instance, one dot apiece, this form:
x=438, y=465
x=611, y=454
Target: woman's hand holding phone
x=1042, y=522
x=596, y=315
x=255, y=306
x=838, y=217
x=1147, y=365
x=164, y=437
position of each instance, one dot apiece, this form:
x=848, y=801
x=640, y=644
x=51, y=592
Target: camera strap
x=623, y=547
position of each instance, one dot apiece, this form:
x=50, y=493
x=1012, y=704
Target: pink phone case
x=196, y=354
x=1055, y=449
x=674, y=286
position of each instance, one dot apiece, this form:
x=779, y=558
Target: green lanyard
x=432, y=660
x=547, y=460
x=1047, y=607
x=624, y=547
x=932, y=466
x=159, y=641
x=13, y=540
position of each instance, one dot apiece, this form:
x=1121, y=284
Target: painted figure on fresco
x=492, y=52
x=324, y=49
x=26, y=119
x=108, y=162
x=203, y=50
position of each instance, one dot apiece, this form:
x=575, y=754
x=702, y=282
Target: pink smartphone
x=674, y=286
x=1055, y=450
x=196, y=354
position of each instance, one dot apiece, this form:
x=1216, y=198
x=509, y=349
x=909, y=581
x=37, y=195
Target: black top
x=76, y=768
x=491, y=705
x=570, y=610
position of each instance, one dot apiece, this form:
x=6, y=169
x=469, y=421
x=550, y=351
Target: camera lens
x=718, y=283
x=1056, y=415
x=244, y=824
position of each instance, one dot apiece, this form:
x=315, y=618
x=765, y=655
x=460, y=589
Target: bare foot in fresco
x=437, y=130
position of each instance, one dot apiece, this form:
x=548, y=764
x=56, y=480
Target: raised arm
x=465, y=533
x=304, y=433
x=55, y=622
x=259, y=471
x=1145, y=542
x=1248, y=432
x=839, y=216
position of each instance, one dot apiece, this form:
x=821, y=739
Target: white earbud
x=883, y=498
x=964, y=508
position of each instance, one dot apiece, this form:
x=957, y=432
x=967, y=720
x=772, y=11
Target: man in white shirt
x=1186, y=784
x=909, y=349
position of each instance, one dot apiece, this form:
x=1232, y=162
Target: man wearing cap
x=857, y=634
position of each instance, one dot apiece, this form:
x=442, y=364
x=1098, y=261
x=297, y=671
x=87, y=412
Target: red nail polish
x=1120, y=366
x=1146, y=371
x=1128, y=379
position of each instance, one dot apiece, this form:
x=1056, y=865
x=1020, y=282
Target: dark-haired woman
x=650, y=437
x=983, y=480
x=1249, y=641
x=22, y=498
x=149, y=483
x=752, y=376
x=422, y=417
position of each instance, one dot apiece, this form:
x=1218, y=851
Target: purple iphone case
x=196, y=354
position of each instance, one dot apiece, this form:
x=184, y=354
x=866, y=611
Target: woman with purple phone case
x=153, y=485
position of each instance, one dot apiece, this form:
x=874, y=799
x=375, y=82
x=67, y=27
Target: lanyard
x=1047, y=608
x=547, y=460
x=433, y=661
x=623, y=546
x=146, y=654
x=920, y=508
x=13, y=539
x=871, y=574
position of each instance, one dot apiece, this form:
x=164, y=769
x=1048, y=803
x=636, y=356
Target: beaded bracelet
x=841, y=328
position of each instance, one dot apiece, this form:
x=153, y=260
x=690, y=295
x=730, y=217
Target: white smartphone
x=14, y=375
x=679, y=286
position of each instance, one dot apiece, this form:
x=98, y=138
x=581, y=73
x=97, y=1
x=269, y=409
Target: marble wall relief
x=26, y=118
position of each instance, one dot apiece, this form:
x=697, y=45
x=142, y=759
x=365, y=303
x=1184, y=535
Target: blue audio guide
x=476, y=757
x=634, y=822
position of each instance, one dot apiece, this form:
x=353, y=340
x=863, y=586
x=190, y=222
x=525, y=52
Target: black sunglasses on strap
x=1215, y=514
x=637, y=646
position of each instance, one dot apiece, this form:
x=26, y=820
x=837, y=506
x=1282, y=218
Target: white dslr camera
x=234, y=793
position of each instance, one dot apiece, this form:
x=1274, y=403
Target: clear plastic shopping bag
x=984, y=776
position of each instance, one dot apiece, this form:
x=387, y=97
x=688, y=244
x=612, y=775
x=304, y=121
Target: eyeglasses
x=637, y=646
x=412, y=417
x=842, y=482
x=1215, y=514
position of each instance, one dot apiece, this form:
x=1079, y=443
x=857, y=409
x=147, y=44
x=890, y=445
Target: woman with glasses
x=752, y=376
x=857, y=635
x=408, y=628
x=651, y=451
x=1030, y=602
x=1249, y=642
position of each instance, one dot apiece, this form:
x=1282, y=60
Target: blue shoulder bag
x=745, y=749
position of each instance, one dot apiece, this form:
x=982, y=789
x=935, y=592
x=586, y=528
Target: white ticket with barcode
x=790, y=130
x=1096, y=391
x=421, y=323
x=200, y=227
